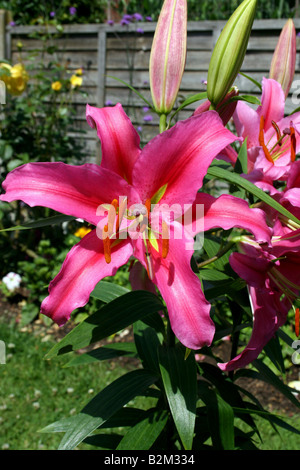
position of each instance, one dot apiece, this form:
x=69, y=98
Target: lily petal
x=267, y=319
x=181, y=290
x=252, y=270
x=179, y=158
x=82, y=269
x=72, y=190
x=229, y=211
x=119, y=139
x=272, y=102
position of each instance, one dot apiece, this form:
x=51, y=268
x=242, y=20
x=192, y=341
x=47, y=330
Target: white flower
x=12, y=281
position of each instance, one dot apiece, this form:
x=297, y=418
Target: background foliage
x=32, y=12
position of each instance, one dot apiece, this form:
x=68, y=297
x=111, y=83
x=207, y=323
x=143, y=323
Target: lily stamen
x=112, y=217
x=288, y=135
x=261, y=140
x=106, y=244
x=165, y=239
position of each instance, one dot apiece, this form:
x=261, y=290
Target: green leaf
x=106, y=404
x=104, y=441
x=252, y=80
x=187, y=102
x=268, y=376
x=111, y=318
x=180, y=384
x=108, y=291
x=251, y=188
x=133, y=89
x=241, y=165
x=220, y=418
x=122, y=418
x=228, y=390
x=143, y=435
x=147, y=342
x=54, y=220
x=248, y=98
x=104, y=353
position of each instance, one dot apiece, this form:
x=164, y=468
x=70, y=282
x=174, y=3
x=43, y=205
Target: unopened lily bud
x=229, y=51
x=225, y=108
x=168, y=54
x=284, y=58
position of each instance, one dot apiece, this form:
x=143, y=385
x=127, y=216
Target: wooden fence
x=109, y=54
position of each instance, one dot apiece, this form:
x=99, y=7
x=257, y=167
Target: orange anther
x=262, y=140
x=165, y=239
x=293, y=144
x=277, y=132
x=148, y=206
x=122, y=210
x=106, y=244
x=112, y=216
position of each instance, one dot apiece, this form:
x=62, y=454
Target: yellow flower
x=56, y=86
x=82, y=231
x=79, y=71
x=75, y=81
x=15, y=78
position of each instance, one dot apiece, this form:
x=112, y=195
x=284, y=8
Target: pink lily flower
x=288, y=196
x=273, y=140
x=273, y=279
x=169, y=170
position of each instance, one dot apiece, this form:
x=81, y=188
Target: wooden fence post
x=2, y=34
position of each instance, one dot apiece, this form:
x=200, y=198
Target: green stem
x=162, y=123
x=217, y=256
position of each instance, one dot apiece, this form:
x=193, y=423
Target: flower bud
x=168, y=54
x=225, y=108
x=229, y=52
x=284, y=58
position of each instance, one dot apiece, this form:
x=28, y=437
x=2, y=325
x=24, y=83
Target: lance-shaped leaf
x=229, y=51
x=284, y=58
x=180, y=383
x=168, y=54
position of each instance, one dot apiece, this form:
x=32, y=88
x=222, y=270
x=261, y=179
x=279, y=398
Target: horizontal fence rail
x=111, y=55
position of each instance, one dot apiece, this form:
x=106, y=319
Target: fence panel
x=111, y=54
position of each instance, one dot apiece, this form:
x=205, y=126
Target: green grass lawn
x=35, y=393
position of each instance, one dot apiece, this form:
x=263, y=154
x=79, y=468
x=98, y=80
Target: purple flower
x=110, y=22
x=148, y=118
x=52, y=14
x=137, y=16
x=140, y=30
x=127, y=17
x=124, y=21
x=139, y=129
x=72, y=10
x=108, y=103
x=148, y=18
x=145, y=109
x=12, y=23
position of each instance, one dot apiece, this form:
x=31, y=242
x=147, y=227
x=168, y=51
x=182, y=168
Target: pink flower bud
x=284, y=58
x=225, y=108
x=168, y=54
